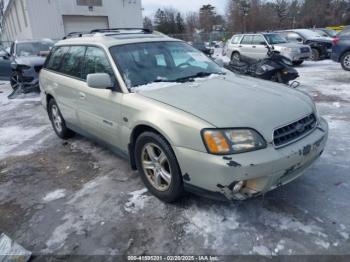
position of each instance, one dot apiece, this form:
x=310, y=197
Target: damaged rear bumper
x=241, y=176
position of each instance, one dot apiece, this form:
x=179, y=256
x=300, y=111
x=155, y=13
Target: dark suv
x=321, y=46
x=341, y=49
x=27, y=59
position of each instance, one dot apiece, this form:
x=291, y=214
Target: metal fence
x=205, y=37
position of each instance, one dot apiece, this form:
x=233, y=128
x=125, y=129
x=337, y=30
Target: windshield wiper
x=192, y=77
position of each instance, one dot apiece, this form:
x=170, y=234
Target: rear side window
x=247, y=40
x=73, y=61
x=55, y=59
x=96, y=62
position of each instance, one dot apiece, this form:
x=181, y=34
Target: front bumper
x=261, y=171
x=296, y=56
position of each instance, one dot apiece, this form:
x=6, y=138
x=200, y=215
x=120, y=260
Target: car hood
x=31, y=60
x=237, y=101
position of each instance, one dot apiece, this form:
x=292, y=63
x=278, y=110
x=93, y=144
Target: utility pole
x=244, y=8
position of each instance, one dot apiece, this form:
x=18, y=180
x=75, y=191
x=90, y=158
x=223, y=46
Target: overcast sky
x=151, y=6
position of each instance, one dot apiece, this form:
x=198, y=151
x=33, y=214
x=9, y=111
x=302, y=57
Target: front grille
x=38, y=68
x=292, y=132
x=305, y=50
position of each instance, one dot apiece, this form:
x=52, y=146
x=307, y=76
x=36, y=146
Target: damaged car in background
x=184, y=122
x=27, y=59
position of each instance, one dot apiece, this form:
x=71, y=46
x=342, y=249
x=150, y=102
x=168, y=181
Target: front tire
x=315, y=55
x=345, y=61
x=15, y=80
x=158, y=167
x=58, y=122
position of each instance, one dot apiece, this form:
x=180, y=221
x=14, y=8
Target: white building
x=35, y=19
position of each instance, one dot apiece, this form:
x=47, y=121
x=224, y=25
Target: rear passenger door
x=245, y=47
x=99, y=109
x=62, y=80
x=259, y=49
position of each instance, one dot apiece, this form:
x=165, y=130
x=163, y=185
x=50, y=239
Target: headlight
x=232, y=141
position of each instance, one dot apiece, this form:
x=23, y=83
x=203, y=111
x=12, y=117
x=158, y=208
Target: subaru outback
x=182, y=121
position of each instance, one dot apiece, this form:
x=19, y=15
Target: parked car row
x=180, y=119
x=341, y=49
x=297, y=45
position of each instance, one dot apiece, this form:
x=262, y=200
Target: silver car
x=181, y=120
x=255, y=46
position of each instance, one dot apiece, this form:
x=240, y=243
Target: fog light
x=238, y=186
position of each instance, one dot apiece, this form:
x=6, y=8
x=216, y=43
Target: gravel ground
x=76, y=197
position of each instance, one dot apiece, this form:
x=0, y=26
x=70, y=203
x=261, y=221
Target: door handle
x=82, y=96
x=239, y=46
x=254, y=46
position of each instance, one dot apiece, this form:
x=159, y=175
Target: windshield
x=274, y=39
x=145, y=63
x=33, y=48
x=331, y=32
x=308, y=33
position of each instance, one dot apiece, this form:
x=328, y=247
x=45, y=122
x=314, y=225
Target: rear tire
x=236, y=57
x=345, y=61
x=315, y=55
x=58, y=122
x=158, y=167
x=298, y=63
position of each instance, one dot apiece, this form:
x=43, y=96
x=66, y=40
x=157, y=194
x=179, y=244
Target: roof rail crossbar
x=107, y=30
x=75, y=34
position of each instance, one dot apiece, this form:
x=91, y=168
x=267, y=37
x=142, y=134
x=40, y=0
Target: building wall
x=45, y=17
x=16, y=23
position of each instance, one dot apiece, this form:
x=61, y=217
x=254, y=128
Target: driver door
x=99, y=109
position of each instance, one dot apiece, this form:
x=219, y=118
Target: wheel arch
x=136, y=132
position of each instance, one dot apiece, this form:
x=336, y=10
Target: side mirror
x=219, y=62
x=299, y=39
x=263, y=43
x=99, y=81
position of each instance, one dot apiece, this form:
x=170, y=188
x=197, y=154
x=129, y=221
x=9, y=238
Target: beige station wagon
x=184, y=122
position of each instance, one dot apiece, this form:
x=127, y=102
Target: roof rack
x=75, y=34
x=116, y=30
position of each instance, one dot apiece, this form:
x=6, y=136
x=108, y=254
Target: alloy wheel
x=347, y=61
x=156, y=167
x=56, y=118
x=15, y=81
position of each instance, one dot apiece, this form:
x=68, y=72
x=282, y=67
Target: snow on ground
x=78, y=198
x=18, y=137
x=57, y=194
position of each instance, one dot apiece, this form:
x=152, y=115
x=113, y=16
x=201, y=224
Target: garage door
x=78, y=23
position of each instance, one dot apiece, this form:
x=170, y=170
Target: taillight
x=336, y=40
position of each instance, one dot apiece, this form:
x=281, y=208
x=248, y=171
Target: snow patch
x=262, y=251
x=137, y=201
x=13, y=136
x=55, y=195
x=212, y=224
x=152, y=86
x=322, y=243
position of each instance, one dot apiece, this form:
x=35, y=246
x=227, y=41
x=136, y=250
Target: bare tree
x=192, y=22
